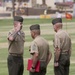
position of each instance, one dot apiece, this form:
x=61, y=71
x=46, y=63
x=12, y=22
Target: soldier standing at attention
x=62, y=48
x=16, y=39
x=39, y=50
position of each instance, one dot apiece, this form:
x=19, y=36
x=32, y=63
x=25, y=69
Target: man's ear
x=21, y=27
x=21, y=23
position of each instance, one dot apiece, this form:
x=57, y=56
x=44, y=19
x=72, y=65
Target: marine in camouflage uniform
x=39, y=50
x=62, y=48
x=16, y=39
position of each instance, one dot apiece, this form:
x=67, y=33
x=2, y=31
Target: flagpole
x=66, y=24
x=66, y=19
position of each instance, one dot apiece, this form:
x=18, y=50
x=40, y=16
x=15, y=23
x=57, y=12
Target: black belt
x=14, y=54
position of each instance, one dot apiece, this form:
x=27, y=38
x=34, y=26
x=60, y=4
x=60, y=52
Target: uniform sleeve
x=33, y=48
x=9, y=34
x=57, y=43
x=48, y=49
x=70, y=47
x=12, y=33
x=23, y=36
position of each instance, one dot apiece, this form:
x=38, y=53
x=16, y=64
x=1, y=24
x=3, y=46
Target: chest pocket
x=20, y=37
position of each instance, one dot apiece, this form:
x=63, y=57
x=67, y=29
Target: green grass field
x=46, y=31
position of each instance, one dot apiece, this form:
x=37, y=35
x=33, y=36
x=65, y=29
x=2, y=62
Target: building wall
x=48, y=2
x=29, y=4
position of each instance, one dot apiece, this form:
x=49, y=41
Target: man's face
x=16, y=23
x=32, y=34
x=55, y=28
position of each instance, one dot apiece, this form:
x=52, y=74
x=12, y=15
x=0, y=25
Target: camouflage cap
x=56, y=20
x=35, y=27
x=18, y=18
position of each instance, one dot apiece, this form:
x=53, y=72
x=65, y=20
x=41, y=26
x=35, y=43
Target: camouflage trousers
x=15, y=65
x=64, y=64
x=42, y=72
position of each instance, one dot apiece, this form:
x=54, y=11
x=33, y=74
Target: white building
x=51, y=2
x=31, y=3
x=48, y=2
